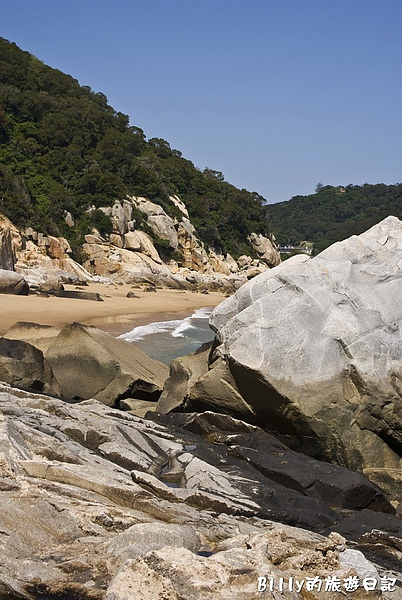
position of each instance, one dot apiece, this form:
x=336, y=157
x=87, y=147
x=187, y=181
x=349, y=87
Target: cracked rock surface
x=314, y=351
x=96, y=503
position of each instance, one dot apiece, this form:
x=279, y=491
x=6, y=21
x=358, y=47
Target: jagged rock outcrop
x=10, y=243
x=47, y=257
x=128, y=266
x=128, y=254
x=180, y=205
x=107, y=259
x=159, y=221
x=121, y=215
x=313, y=351
x=94, y=488
x=265, y=249
x=89, y=363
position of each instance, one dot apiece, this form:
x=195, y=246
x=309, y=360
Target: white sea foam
x=176, y=328
x=139, y=333
x=189, y=324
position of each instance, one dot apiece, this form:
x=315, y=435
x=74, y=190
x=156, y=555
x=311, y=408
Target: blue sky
x=277, y=94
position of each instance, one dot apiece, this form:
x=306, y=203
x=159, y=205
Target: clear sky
x=277, y=94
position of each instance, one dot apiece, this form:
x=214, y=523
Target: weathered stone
x=142, y=538
x=335, y=485
x=163, y=226
x=137, y=407
x=13, y=283
x=179, y=204
x=40, y=336
x=89, y=363
x=68, y=218
x=57, y=248
x=51, y=285
x=132, y=241
x=244, y=261
x=78, y=295
x=234, y=267
x=315, y=349
x=265, y=249
x=23, y=366
x=66, y=478
x=184, y=372
x=10, y=243
x=121, y=215
x=141, y=242
x=90, y=238
x=49, y=260
x=114, y=238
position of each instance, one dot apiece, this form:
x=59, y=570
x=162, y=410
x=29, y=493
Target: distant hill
x=334, y=213
x=64, y=148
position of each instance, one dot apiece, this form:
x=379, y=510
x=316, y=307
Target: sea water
x=166, y=340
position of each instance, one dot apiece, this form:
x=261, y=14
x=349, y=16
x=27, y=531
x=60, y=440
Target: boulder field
x=194, y=501
x=312, y=351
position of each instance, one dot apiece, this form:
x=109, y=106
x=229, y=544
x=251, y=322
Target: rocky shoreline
x=119, y=507
x=268, y=458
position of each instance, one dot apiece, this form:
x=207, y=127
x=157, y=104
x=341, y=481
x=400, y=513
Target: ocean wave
x=176, y=328
x=142, y=331
x=190, y=325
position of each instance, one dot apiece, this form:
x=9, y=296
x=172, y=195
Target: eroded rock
x=315, y=350
x=94, y=488
x=89, y=363
x=13, y=283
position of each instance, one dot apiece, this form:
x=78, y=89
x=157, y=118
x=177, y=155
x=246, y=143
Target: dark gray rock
x=24, y=366
x=7, y=252
x=337, y=487
x=13, y=283
x=78, y=295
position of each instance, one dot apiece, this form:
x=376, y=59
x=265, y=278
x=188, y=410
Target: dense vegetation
x=63, y=148
x=334, y=213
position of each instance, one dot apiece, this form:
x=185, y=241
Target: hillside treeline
x=64, y=148
x=334, y=213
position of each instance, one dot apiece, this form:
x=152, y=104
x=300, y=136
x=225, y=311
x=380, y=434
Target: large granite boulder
x=265, y=249
x=89, y=363
x=315, y=351
x=13, y=283
x=24, y=366
x=99, y=504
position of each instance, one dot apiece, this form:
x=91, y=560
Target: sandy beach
x=116, y=314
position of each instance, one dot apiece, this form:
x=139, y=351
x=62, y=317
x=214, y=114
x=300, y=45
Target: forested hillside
x=63, y=148
x=334, y=213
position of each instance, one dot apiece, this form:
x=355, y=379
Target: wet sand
x=116, y=314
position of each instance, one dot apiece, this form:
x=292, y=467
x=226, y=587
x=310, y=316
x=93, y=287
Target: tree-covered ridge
x=63, y=148
x=334, y=213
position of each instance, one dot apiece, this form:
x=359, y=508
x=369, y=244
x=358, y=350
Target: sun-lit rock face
x=95, y=503
x=315, y=349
